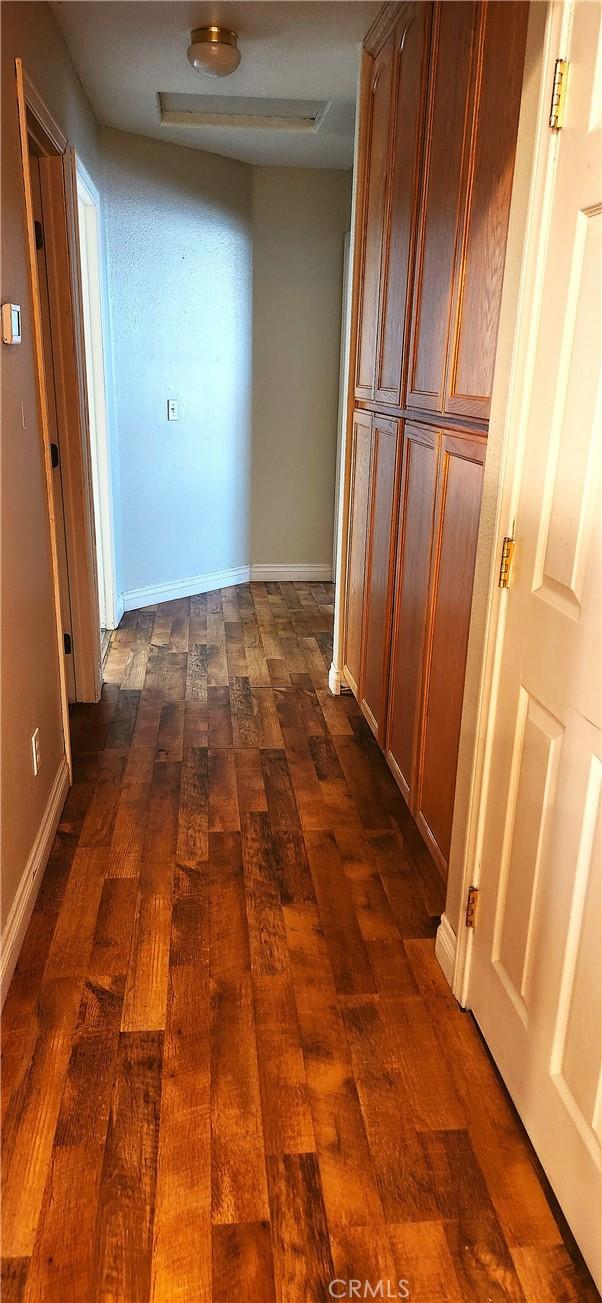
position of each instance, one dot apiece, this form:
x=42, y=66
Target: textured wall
x=299, y=222
x=30, y=682
x=225, y=292
x=179, y=245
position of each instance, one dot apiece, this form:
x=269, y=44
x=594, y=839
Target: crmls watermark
x=380, y=1289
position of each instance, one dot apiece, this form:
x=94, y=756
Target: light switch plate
x=173, y=409
x=11, y=323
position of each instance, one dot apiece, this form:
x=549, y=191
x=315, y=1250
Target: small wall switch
x=173, y=409
x=11, y=323
x=35, y=752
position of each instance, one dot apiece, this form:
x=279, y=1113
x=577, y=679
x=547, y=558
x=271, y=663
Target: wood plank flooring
x=231, y=1066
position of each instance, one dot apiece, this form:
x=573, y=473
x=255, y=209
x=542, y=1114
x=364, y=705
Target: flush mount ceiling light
x=214, y=51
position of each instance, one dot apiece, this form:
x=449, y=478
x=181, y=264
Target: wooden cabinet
x=371, y=561
x=415, y=545
x=452, y=41
x=380, y=563
x=452, y=572
x=392, y=150
x=361, y=457
x=477, y=52
x=376, y=149
x=439, y=518
x=438, y=138
x=410, y=41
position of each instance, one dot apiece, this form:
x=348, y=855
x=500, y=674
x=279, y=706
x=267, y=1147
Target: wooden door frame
x=529, y=215
x=98, y=393
x=58, y=179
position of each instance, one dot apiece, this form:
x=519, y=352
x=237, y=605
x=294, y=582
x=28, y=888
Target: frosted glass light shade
x=214, y=51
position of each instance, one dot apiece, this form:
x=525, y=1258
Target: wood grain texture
x=458, y=512
x=359, y=506
x=380, y=566
x=454, y=30
x=374, y=198
x=486, y=189
x=410, y=69
x=235, y=1070
x=445, y=90
x=416, y=528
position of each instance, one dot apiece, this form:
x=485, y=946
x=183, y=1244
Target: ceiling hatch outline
x=241, y=111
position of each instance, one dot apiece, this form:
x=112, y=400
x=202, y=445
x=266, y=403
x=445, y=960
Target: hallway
x=232, y=1067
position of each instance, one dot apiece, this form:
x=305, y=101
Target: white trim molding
x=316, y=574
x=445, y=948
x=335, y=680
x=119, y=610
x=135, y=598
x=22, y=906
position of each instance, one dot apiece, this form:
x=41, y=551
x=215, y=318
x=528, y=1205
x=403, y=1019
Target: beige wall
x=30, y=688
x=299, y=222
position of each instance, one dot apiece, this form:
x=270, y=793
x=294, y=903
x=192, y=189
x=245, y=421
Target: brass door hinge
x=471, y=906
x=506, y=562
x=561, y=72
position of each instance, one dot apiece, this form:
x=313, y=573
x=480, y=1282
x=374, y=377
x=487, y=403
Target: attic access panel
x=241, y=111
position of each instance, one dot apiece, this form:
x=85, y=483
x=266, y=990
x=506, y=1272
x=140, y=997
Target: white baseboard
x=276, y=574
x=334, y=680
x=445, y=948
x=207, y=583
x=22, y=906
x=119, y=610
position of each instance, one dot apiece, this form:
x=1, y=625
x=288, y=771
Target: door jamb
x=98, y=363
x=63, y=257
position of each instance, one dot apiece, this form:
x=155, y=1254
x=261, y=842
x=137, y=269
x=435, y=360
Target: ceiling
x=128, y=53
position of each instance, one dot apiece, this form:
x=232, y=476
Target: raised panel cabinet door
x=451, y=70
x=458, y=511
x=486, y=192
x=380, y=569
x=414, y=551
x=410, y=67
x=361, y=458
x=378, y=121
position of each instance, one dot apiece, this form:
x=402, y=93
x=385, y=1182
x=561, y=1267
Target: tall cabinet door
x=375, y=188
x=477, y=54
x=410, y=71
x=458, y=509
x=359, y=501
x=380, y=567
x=485, y=191
x=417, y=505
x=454, y=30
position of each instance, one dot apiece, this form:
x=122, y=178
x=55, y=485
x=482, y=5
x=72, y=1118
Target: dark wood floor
x=232, y=1068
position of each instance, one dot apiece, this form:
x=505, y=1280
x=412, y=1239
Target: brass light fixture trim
x=214, y=51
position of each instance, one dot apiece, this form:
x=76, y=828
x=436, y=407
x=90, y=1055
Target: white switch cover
x=35, y=751
x=173, y=409
x=11, y=323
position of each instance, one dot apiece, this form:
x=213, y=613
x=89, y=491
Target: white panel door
x=534, y=980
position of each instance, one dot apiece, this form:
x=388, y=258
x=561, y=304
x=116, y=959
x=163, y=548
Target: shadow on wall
x=225, y=294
